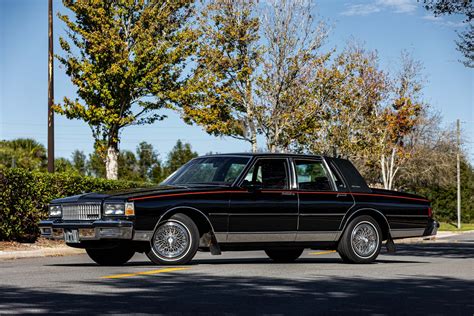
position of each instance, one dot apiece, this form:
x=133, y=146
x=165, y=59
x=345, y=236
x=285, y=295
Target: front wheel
x=284, y=255
x=361, y=241
x=175, y=241
x=116, y=256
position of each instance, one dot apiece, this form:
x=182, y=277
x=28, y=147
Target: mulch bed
x=39, y=244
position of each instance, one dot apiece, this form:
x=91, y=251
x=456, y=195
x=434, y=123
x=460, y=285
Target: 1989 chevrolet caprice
x=280, y=203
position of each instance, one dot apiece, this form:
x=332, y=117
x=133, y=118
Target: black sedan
x=280, y=203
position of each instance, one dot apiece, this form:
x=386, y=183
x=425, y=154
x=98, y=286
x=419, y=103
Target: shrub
x=24, y=196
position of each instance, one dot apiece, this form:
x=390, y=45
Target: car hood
x=123, y=195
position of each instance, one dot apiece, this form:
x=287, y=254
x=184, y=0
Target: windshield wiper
x=208, y=183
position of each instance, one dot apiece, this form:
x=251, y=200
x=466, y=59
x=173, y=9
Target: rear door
x=323, y=200
x=266, y=210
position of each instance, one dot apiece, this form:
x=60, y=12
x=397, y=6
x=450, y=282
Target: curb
x=438, y=237
x=45, y=252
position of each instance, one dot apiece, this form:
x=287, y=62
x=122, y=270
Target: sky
x=388, y=26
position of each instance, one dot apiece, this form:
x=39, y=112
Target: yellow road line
x=126, y=275
x=322, y=252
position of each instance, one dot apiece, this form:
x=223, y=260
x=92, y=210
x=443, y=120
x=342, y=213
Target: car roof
x=263, y=154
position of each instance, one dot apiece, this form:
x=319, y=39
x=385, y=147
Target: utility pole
x=458, y=170
x=50, y=89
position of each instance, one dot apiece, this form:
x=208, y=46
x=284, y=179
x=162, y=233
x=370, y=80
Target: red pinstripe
x=274, y=191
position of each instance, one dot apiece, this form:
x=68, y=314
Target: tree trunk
x=384, y=171
x=111, y=162
x=251, y=116
x=253, y=141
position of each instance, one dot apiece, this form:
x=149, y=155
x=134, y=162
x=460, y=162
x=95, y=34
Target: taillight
x=430, y=212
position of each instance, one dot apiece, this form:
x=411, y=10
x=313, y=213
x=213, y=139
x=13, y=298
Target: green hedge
x=24, y=196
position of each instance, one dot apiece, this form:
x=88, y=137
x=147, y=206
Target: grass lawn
x=453, y=226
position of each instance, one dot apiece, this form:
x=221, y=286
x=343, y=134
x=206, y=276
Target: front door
x=266, y=210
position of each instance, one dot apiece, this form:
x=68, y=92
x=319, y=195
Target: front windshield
x=209, y=170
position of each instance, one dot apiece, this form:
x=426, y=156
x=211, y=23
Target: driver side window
x=268, y=174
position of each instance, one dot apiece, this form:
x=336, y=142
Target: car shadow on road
x=241, y=261
x=421, y=250
x=191, y=293
x=453, y=250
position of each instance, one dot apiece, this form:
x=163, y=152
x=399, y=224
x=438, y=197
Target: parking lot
x=423, y=278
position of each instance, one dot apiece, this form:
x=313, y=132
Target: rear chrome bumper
x=430, y=230
x=96, y=230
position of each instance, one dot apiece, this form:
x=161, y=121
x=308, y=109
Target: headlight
x=112, y=209
x=55, y=211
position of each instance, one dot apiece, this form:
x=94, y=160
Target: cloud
x=375, y=6
x=440, y=21
x=399, y=6
x=361, y=9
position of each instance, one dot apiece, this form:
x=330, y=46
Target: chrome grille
x=81, y=212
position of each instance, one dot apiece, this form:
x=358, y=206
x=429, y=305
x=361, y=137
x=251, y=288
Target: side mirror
x=251, y=186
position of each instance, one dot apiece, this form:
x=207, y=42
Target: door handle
x=341, y=195
x=287, y=193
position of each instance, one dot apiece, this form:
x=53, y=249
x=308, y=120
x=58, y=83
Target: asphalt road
x=426, y=278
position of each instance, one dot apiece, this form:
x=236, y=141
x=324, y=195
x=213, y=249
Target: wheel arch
x=375, y=214
x=202, y=220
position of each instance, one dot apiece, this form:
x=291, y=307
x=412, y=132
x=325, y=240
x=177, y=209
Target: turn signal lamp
x=129, y=209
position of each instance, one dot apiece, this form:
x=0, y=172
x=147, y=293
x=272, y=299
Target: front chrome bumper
x=96, y=230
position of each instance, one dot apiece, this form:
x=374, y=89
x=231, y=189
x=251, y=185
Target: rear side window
x=312, y=175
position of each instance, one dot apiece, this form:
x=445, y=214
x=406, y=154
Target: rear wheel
x=361, y=241
x=175, y=241
x=116, y=256
x=284, y=255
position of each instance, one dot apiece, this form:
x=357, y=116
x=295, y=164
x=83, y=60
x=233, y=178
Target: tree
x=291, y=58
x=221, y=98
x=79, y=162
x=63, y=165
x=399, y=120
x=95, y=165
x=465, y=44
x=432, y=154
x=128, y=166
x=178, y=156
x=149, y=166
x=347, y=95
x=23, y=153
x=129, y=63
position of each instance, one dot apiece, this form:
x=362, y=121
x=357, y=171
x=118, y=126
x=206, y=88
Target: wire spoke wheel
x=171, y=240
x=364, y=239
